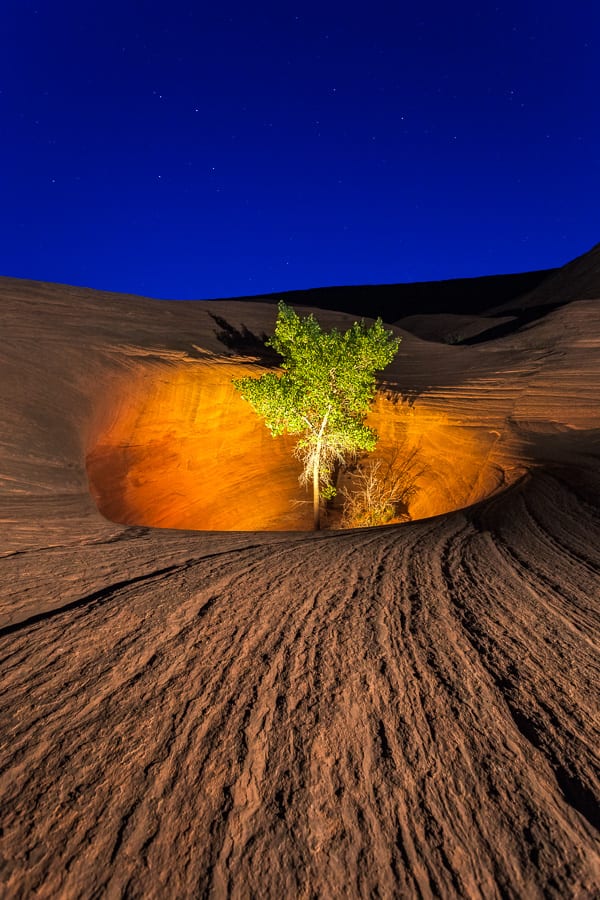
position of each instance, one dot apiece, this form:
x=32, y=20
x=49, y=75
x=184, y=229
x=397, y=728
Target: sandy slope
x=408, y=711
x=578, y=280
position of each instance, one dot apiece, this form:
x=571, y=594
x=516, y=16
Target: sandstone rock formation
x=253, y=710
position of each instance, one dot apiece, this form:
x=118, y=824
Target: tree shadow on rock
x=245, y=342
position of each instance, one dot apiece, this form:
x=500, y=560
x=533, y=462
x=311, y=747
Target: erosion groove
x=87, y=600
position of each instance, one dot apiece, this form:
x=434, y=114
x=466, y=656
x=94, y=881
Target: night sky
x=196, y=150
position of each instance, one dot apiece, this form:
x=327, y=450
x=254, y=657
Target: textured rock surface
x=406, y=711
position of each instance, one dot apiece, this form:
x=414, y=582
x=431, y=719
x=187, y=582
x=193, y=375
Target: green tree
x=323, y=392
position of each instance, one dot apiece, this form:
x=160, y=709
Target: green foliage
x=324, y=373
x=324, y=391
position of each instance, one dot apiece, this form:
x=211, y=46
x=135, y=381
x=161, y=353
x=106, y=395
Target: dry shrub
x=382, y=489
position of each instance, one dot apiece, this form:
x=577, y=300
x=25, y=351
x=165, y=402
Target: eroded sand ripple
x=406, y=711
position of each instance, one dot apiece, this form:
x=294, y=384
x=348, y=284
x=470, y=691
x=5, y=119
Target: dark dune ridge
x=404, y=711
x=464, y=296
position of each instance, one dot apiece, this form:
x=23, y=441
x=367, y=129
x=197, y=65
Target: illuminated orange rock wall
x=179, y=448
x=463, y=460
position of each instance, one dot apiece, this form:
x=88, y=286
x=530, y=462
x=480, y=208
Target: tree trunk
x=316, y=467
x=316, y=492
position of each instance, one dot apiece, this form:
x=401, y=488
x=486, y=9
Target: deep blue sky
x=194, y=149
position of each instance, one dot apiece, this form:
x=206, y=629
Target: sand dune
x=253, y=710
